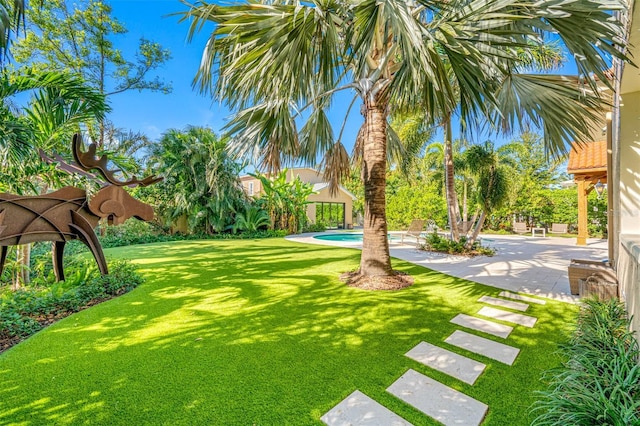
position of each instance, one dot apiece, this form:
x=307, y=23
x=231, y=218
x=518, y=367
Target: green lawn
x=258, y=333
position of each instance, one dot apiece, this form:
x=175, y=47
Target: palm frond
x=336, y=167
x=564, y=108
x=266, y=133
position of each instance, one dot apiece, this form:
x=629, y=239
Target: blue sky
x=153, y=113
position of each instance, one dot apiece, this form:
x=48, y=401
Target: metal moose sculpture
x=69, y=214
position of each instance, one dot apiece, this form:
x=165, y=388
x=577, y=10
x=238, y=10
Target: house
x=334, y=211
x=625, y=174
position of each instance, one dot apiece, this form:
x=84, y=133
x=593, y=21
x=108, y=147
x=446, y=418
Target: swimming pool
x=345, y=237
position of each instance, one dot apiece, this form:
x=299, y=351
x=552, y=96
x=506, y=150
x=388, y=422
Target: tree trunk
x=465, y=207
x=375, y=259
x=453, y=211
x=25, y=263
x=476, y=231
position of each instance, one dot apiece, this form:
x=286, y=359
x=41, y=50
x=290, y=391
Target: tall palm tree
x=278, y=62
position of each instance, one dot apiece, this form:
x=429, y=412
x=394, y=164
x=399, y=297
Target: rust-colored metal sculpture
x=68, y=214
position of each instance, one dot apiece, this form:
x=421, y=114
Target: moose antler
x=88, y=161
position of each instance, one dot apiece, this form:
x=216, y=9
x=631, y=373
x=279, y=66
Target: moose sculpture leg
x=3, y=257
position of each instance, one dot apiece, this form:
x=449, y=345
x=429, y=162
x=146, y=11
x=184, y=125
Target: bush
x=444, y=245
x=599, y=383
x=411, y=202
x=24, y=312
x=315, y=227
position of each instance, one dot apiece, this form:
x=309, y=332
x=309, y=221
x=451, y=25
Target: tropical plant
x=493, y=183
x=441, y=56
x=251, y=219
x=599, y=383
x=200, y=180
x=60, y=102
x=285, y=201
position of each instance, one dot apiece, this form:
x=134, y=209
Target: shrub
x=444, y=245
x=24, y=312
x=315, y=227
x=599, y=384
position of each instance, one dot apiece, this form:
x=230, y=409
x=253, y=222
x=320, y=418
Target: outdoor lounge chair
x=416, y=228
x=431, y=226
x=559, y=228
x=520, y=228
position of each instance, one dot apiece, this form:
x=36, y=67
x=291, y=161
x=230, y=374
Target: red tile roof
x=590, y=156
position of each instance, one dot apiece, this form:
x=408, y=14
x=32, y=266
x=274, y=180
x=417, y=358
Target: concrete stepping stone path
x=438, y=401
x=359, y=409
x=479, y=345
x=499, y=314
x=517, y=306
x=523, y=298
x=486, y=326
x=458, y=366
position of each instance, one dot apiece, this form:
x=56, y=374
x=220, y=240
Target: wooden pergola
x=588, y=165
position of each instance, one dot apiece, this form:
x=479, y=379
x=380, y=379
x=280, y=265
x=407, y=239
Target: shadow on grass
x=244, y=332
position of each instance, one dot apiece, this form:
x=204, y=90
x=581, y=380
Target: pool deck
x=525, y=264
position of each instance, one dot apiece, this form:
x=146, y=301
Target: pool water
x=346, y=237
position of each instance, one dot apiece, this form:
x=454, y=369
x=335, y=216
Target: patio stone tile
x=451, y=363
x=494, y=350
x=358, y=409
x=504, y=303
x=523, y=298
x=524, y=320
x=480, y=324
x=438, y=401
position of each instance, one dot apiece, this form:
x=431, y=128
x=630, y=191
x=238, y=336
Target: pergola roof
x=588, y=159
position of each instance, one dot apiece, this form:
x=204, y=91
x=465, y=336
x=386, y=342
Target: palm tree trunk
x=375, y=259
x=476, y=231
x=453, y=211
x=465, y=208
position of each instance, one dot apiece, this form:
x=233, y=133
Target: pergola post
x=583, y=192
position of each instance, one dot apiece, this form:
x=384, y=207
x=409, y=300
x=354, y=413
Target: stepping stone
x=504, y=303
x=494, y=350
x=524, y=320
x=458, y=366
x=523, y=298
x=436, y=400
x=486, y=326
x=359, y=409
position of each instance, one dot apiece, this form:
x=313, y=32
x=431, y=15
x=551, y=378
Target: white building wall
x=629, y=209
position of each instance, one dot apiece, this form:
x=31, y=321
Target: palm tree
x=278, y=62
x=492, y=182
x=201, y=180
x=11, y=16
x=60, y=103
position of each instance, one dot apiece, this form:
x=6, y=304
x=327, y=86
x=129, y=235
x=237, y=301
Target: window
x=332, y=215
x=250, y=188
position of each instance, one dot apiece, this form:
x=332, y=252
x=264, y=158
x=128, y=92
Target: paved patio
x=524, y=264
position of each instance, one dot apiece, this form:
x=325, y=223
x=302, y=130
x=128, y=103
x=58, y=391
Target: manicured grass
x=258, y=333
